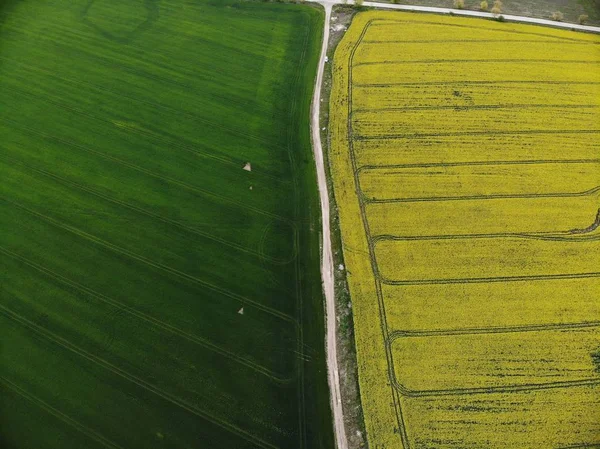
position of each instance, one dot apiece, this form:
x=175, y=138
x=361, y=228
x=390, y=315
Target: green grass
x=131, y=236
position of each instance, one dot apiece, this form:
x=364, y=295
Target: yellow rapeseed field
x=465, y=156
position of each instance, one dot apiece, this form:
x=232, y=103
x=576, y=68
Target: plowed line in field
x=570, y=235
x=476, y=83
x=67, y=345
x=490, y=330
x=137, y=168
x=582, y=446
x=479, y=61
x=478, y=107
x=463, y=164
x=491, y=390
x=92, y=434
x=132, y=311
x=159, y=266
x=567, y=236
x=290, y=141
x=142, y=211
x=479, y=197
x=475, y=133
x=485, y=279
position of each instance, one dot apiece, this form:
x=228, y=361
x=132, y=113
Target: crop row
x=557, y=418
x=448, y=72
x=459, y=306
x=530, y=96
x=369, y=53
x=382, y=124
x=492, y=216
x=439, y=29
x=480, y=180
x=497, y=259
x=438, y=150
x=495, y=360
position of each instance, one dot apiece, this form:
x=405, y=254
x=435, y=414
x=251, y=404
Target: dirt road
x=327, y=258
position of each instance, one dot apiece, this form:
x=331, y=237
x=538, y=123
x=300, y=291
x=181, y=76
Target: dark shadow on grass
x=152, y=14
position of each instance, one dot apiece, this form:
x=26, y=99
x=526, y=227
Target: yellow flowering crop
x=465, y=156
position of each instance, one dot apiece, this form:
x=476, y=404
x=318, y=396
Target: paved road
x=464, y=12
x=327, y=268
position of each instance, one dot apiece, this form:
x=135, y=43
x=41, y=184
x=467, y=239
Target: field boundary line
x=143, y=211
x=67, y=345
x=157, y=265
x=119, y=306
x=90, y=433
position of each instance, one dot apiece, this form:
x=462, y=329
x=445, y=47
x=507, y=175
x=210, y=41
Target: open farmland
x=465, y=157
x=153, y=292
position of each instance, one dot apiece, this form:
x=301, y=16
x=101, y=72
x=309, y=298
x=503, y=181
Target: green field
x=131, y=237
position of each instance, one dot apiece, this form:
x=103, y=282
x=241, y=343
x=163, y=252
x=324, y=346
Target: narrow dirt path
x=327, y=257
